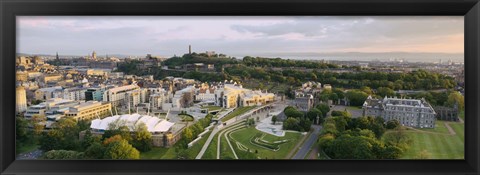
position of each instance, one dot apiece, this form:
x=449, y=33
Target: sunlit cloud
x=238, y=35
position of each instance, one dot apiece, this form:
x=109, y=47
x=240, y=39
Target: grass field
x=225, y=151
x=26, y=148
x=169, y=153
x=211, y=152
x=439, y=128
x=237, y=112
x=155, y=153
x=440, y=144
x=212, y=108
x=195, y=149
x=244, y=135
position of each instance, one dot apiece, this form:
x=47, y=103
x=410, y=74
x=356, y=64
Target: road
x=307, y=145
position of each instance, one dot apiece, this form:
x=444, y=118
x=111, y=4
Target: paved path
x=452, y=132
x=313, y=154
x=461, y=120
x=209, y=140
x=307, y=145
x=35, y=154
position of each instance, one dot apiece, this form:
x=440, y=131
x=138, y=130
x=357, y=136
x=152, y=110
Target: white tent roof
x=154, y=124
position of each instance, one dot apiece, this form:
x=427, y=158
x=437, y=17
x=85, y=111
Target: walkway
x=308, y=143
x=209, y=140
x=452, y=132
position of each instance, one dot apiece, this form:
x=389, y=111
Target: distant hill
x=367, y=56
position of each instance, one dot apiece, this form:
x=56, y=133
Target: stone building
x=409, y=112
x=446, y=113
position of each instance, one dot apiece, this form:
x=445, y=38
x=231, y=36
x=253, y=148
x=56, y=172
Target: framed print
x=245, y=87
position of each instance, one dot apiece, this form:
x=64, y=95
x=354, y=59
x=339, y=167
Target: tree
x=63, y=135
x=63, y=154
x=274, y=119
x=121, y=150
x=356, y=98
x=142, y=139
x=89, y=139
x=112, y=139
x=95, y=151
x=398, y=138
x=324, y=108
x=38, y=122
x=314, y=113
x=325, y=141
x=188, y=134
x=291, y=124
x=22, y=133
x=367, y=90
x=305, y=124
x=292, y=112
x=456, y=98
x=187, y=99
x=392, y=124
x=118, y=128
x=385, y=91
x=391, y=152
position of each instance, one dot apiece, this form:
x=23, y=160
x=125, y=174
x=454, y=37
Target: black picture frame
x=11, y=8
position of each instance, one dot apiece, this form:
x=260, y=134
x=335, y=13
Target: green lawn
x=211, y=152
x=155, y=153
x=354, y=107
x=237, y=112
x=169, y=153
x=225, y=150
x=212, y=108
x=439, y=146
x=462, y=115
x=26, y=148
x=244, y=135
x=195, y=149
x=439, y=128
x=185, y=117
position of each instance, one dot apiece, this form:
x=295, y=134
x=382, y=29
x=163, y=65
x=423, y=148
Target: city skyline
x=240, y=36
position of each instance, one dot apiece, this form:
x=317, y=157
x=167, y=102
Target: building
x=96, y=72
x=234, y=95
x=157, y=100
x=22, y=76
x=118, y=95
x=446, y=113
x=50, y=107
x=21, y=100
x=76, y=93
x=409, y=112
x=95, y=94
x=52, y=78
x=304, y=102
x=164, y=133
x=205, y=93
x=46, y=93
x=183, y=98
x=90, y=110
x=115, y=74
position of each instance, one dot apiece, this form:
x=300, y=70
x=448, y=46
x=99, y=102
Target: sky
x=238, y=36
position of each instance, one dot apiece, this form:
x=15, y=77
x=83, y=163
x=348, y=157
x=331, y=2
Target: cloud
x=238, y=35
